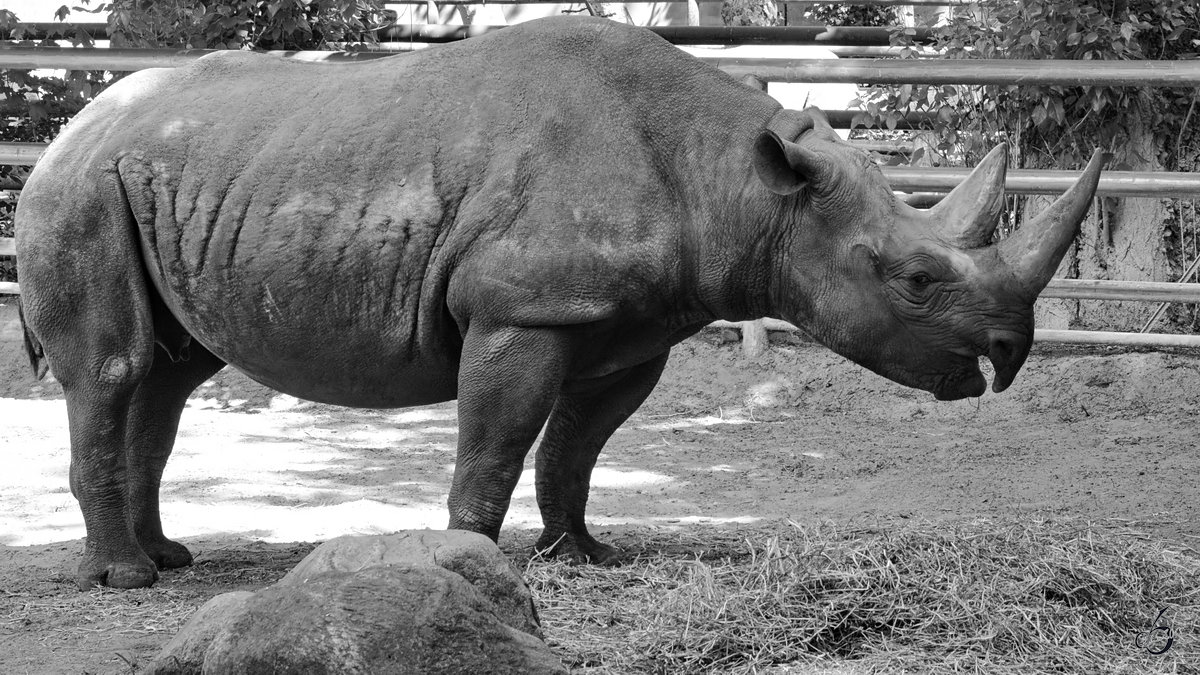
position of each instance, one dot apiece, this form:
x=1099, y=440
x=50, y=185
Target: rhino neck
x=738, y=236
x=769, y=256
x=734, y=224
x=736, y=259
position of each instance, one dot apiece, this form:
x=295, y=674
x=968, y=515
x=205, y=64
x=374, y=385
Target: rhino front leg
x=151, y=426
x=583, y=419
x=508, y=380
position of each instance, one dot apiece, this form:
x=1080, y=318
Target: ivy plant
x=249, y=24
x=33, y=108
x=1052, y=125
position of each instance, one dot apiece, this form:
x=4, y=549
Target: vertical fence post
x=693, y=13
x=754, y=333
x=754, y=338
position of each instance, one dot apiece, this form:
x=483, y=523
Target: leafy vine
x=1053, y=125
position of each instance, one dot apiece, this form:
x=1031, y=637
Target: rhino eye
x=920, y=279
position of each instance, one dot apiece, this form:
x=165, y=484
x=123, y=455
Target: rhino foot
x=578, y=548
x=116, y=574
x=167, y=554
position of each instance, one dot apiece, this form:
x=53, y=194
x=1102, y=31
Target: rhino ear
x=783, y=166
x=772, y=166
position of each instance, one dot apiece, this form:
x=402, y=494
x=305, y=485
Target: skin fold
x=525, y=222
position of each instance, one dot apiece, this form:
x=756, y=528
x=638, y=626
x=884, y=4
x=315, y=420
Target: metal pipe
x=125, y=60
x=1039, y=335
x=997, y=72
x=1162, y=306
x=861, y=36
x=53, y=30
x=1101, y=289
x=844, y=51
x=1076, y=289
x=850, y=119
x=1079, y=337
x=1093, y=289
x=21, y=154
x=1100, y=337
x=883, y=147
x=918, y=179
x=870, y=71
x=1050, y=181
x=1005, y=72
x=850, y=36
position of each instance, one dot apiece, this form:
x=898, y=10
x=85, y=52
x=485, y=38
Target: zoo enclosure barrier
x=855, y=71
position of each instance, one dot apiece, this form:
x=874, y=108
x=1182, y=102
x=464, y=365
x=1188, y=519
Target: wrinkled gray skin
x=525, y=221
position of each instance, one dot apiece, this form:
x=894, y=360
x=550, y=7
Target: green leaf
x=1039, y=114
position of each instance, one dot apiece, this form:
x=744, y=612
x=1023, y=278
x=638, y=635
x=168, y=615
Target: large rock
x=373, y=605
x=185, y=652
x=471, y=555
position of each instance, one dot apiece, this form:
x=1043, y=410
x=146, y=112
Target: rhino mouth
x=966, y=382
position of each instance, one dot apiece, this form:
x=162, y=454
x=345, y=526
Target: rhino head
x=919, y=294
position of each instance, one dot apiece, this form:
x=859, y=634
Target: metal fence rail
x=811, y=71
x=919, y=179
x=1079, y=337
x=845, y=36
x=1051, y=181
x=21, y=154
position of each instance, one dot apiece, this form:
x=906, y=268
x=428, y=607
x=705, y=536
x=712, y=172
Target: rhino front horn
x=1034, y=251
x=968, y=216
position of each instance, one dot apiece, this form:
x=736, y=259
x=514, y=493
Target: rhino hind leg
x=89, y=309
x=580, y=424
x=100, y=356
x=111, y=554
x=150, y=429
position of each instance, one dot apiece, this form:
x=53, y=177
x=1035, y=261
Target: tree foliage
x=1054, y=124
x=35, y=107
x=44, y=102
x=249, y=24
x=844, y=14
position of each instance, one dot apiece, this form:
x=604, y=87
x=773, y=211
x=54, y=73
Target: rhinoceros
x=525, y=222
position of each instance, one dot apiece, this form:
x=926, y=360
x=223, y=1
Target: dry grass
x=983, y=597
x=46, y=615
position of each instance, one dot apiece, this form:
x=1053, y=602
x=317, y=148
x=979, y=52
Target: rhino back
x=295, y=213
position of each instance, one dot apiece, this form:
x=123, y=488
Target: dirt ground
x=796, y=434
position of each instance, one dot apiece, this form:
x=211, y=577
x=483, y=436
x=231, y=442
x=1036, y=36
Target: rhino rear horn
x=1034, y=251
x=968, y=216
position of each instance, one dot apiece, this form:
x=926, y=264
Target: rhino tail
x=33, y=348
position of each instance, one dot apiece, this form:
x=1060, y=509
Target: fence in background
x=857, y=71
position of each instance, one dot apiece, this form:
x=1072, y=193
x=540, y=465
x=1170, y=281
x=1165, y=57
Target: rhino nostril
x=1000, y=350
x=1007, y=353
